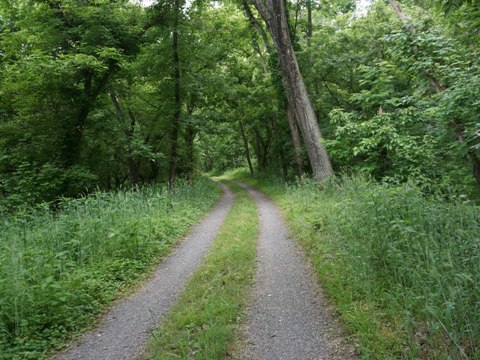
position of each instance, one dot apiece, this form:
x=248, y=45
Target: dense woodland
x=108, y=94
x=99, y=99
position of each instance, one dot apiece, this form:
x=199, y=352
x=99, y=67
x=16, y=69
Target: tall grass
x=403, y=268
x=59, y=269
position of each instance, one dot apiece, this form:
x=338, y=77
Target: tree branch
x=155, y=21
x=262, y=10
x=257, y=26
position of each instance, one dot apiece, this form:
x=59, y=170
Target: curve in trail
x=288, y=317
x=126, y=327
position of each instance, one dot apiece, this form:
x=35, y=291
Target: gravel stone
x=125, y=328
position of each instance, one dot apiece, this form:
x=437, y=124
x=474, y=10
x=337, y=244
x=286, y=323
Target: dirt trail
x=289, y=317
x=125, y=329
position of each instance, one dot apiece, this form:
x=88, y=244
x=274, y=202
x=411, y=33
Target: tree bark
x=274, y=15
x=398, y=10
x=172, y=164
x=292, y=122
x=257, y=26
x=247, y=150
x=296, y=140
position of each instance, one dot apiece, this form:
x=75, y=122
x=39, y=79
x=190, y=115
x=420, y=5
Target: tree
x=273, y=13
x=456, y=123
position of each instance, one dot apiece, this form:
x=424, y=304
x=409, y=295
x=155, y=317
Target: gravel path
x=126, y=327
x=289, y=317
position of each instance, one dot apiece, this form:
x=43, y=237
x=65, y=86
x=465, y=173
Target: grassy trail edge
x=94, y=287
x=391, y=321
x=360, y=322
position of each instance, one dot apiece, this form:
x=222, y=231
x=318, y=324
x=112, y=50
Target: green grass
x=402, y=268
x=202, y=325
x=59, y=270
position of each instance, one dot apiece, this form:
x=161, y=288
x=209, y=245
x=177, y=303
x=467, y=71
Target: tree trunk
x=274, y=16
x=133, y=166
x=398, y=10
x=247, y=150
x=296, y=140
x=290, y=112
x=309, y=21
x=91, y=90
x=133, y=171
x=190, y=137
x=176, y=117
x=258, y=149
x=281, y=153
x=266, y=145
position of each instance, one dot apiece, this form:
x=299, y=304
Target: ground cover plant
x=203, y=323
x=401, y=267
x=58, y=270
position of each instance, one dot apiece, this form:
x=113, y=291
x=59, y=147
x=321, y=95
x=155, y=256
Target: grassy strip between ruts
x=203, y=323
x=59, y=270
x=401, y=267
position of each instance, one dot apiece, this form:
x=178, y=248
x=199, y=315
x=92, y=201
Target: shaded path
x=125, y=328
x=289, y=317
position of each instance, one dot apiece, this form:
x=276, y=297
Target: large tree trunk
x=176, y=117
x=274, y=15
x=247, y=150
x=439, y=88
x=292, y=122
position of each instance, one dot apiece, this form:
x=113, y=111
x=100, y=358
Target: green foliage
x=401, y=108
x=385, y=145
x=61, y=61
x=56, y=59
x=400, y=266
x=59, y=270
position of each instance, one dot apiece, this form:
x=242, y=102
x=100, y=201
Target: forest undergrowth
x=401, y=267
x=59, y=270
